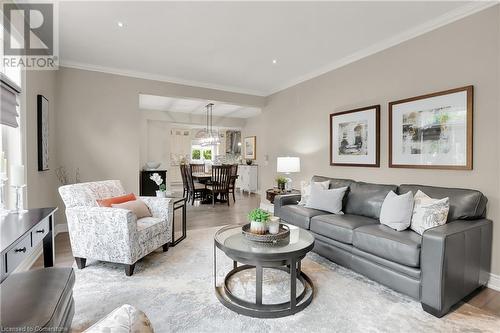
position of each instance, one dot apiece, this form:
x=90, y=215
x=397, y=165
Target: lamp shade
x=288, y=164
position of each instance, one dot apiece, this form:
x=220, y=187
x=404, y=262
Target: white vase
x=274, y=225
x=258, y=228
x=161, y=194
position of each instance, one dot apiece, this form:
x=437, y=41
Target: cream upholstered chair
x=113, y=234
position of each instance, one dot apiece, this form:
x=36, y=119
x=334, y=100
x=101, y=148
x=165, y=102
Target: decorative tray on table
x=283, y=234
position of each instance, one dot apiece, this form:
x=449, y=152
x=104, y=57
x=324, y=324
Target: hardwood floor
x=204, y=216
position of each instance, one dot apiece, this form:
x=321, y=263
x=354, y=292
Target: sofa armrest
x=283, y=200
x=102, y=233
x=455, y=260
x=161, y=208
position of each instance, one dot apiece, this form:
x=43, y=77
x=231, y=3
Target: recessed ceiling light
x=120, y=24
x=275, y=61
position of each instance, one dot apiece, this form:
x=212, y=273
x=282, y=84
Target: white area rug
x=175, y=289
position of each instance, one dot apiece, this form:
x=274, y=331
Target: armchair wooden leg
x=129, y=269
x=80, y=262
x=234, y=199
x=165, y=247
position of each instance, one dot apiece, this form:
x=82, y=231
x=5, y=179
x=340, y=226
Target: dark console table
x=22, y=233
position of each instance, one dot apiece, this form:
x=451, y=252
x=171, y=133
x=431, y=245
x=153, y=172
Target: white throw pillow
x=428, y=213
x=305, y=191
x=325, y=199
x=396, y=211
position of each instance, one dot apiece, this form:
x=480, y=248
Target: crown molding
x=438, y=22
x=447, y=18
x=156, y=77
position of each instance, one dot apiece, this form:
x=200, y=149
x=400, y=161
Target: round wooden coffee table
x=285, y=256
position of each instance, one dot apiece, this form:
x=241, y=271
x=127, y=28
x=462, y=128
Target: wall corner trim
x=494, y=282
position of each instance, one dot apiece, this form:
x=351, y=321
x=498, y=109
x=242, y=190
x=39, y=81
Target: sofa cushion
x=299, y=215
x=400, y=246
x=138, y=207
x=148, y=227
x=366, y=199
x=339, y=227
x=464, y=204
x=335, y=183
x=329, y=200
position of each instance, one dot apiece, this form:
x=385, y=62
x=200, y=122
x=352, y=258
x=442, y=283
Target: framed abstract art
x=432, y=131
x=355, y=137
x=250, y=145
x=43, y=132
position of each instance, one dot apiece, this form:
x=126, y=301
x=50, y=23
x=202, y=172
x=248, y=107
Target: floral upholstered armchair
x=113, y=234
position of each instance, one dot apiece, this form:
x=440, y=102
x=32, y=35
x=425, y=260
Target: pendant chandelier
x=209, y=136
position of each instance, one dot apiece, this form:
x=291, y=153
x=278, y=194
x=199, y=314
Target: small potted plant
x=258, y=221
x=162, y=188
x=281, y=182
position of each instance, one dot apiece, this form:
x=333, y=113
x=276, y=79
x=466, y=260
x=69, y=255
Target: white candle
x=17, y=175
x=3, y=163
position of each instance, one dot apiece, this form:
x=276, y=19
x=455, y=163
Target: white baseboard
x=61, y=228
x=494, y=282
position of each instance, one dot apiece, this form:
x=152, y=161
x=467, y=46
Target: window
x=10, y=137
x=201, y=154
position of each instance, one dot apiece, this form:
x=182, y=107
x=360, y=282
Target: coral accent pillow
x=138, y=207
x=115, y=200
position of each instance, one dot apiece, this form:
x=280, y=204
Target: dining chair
x=195, y=189
x=185, y=188
x=232, y=183
x=219, y=183
x=198, y=167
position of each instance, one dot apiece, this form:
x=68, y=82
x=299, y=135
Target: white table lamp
x=288, y=165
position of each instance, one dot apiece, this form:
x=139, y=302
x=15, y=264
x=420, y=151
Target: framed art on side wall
x=43, y=132
x=250, y=145
x=355, y=137
x=432, y=131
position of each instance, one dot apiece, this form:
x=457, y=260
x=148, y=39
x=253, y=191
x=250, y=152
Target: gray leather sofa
x=439, y=268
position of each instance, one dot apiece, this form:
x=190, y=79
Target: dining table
x=203, y=178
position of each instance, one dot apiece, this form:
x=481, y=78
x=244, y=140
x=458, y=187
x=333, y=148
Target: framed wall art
x=43, y=132
x=250, y=145
x=355, y=137
x=432, y=131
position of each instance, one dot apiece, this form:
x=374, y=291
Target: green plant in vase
x=281, y=182
x=258, y=221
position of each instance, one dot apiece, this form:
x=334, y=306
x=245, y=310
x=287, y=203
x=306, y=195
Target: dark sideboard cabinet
x=147, y=187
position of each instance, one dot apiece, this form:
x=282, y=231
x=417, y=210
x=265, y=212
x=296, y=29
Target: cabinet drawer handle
x=21, y=250
x=40, y=231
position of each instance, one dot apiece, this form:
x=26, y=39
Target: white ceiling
x=231, y=45
x=195, y=106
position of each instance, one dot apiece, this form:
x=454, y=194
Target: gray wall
x=42, y=186
x=295, y=121
x=99, y=122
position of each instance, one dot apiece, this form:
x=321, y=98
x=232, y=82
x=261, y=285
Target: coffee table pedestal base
x=296, y=304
